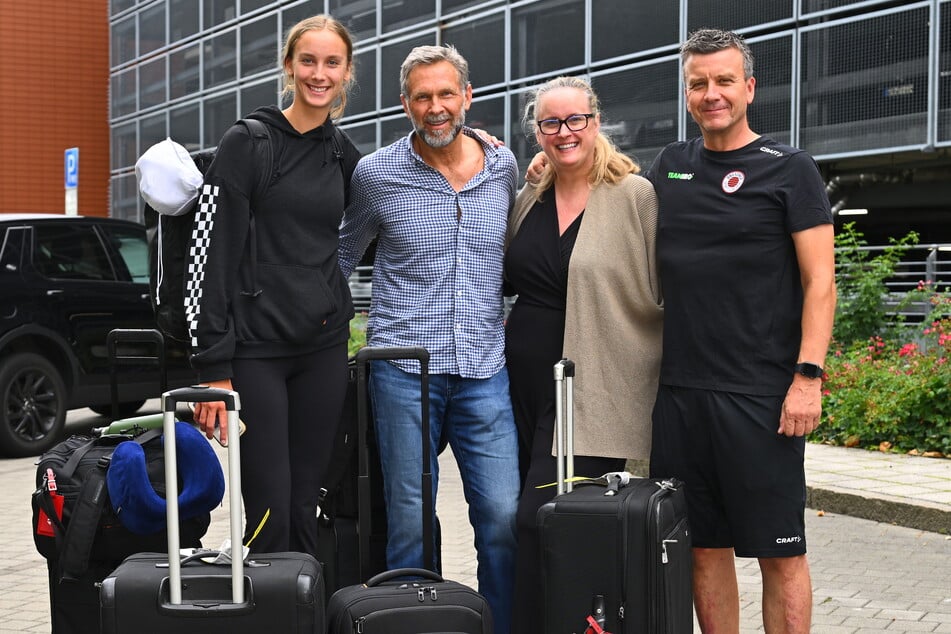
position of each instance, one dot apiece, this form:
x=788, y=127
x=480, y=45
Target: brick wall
x=54, y=91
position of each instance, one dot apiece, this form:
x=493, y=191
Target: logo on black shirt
x=733, y=181
x=680, y=176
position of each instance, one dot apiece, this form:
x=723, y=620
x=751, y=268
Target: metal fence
x=924, y=263
x=930, y=263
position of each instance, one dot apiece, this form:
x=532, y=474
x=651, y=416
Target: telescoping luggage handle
x=363, y=356
x=564, y=424
x=233, y=404
x=133, y=335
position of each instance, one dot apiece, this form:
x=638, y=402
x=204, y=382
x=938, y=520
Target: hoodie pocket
x=291, y=305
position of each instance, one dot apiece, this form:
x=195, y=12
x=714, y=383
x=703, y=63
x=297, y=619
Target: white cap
x=168, y=179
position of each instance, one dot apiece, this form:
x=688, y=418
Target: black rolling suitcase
x=152, y=593
x=615, y=550
x=337, y=533
x=407, y=600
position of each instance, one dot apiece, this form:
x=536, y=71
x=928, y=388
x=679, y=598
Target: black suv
x=65, y=282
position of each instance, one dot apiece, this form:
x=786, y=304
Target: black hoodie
x=287, y=296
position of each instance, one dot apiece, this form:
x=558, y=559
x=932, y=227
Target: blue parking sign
x=72, y=167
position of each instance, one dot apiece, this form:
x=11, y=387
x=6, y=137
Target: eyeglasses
x=575, y=123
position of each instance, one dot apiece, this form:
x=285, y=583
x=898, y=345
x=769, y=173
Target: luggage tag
x=44, y=525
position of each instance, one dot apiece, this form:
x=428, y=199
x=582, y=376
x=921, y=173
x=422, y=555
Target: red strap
x=594, y=628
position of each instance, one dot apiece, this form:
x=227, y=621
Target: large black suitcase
x=356, y=464
x=407, y=600
x=337, y=533
x=152, y=593
x=615, y=550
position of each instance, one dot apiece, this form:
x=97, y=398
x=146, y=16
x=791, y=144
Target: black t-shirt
x=732, y=289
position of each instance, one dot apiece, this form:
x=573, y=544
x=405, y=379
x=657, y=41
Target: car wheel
x=32, y=405
x=125, y=409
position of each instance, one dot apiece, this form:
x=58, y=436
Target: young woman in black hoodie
x=268, y=309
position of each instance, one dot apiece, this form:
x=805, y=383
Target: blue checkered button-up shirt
x=437, y=278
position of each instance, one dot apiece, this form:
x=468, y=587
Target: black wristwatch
x=809, y=370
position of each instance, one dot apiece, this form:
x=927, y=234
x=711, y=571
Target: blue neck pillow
x=139, y=507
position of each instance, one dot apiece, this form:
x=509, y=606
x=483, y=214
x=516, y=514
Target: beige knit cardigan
x=614, y=317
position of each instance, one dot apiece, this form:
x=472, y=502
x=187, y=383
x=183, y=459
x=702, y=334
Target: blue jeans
x=475, y=416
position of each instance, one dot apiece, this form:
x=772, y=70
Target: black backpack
x=169, y=236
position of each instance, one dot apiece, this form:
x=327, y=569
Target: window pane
x=621, y=27
x=123, y=93
x=298, y=12
x=264, y=94
x=217, y=12
x=736, y=14
x=771, y=111
x=123, y=41
x=864, y=84
x=220, y=61
x=259, y=46
x=448, y=6
x=125, y=150
x=489, y=115
x=124, y=197
x=482, y=43
x=400, y=13
x=184, y=127
x=393, y=56
x=184, y=18
x=71, y=252
x=363, y=136
x=151, y=131
x=362, y=97
x=810, y=6
x=133, y=250
x=394, y=129
x=639, y=108
x=247, y=6
x=152, y=83
x=121, y=5
x=220, y=113
x=184, y=72
x=152, y=29
x=534, y=53
x=358, y=16
x=944, y=75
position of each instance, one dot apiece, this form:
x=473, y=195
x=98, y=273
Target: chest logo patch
x=733, y=181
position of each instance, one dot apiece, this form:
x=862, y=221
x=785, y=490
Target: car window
x=133, y=249
x=70, y=251
x=11, y=241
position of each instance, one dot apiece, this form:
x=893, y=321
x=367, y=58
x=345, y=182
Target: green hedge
x=888, y=384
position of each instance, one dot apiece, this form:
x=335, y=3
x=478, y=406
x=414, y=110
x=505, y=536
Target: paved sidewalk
x=906, y=490
x=890, y=571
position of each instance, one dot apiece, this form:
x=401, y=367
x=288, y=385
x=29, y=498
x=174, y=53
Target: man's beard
x=440, y=138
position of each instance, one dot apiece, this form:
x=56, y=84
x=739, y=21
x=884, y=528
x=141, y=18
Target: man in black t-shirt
x=745, y=252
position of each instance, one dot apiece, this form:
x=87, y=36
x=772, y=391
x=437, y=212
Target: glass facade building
x=863, y=85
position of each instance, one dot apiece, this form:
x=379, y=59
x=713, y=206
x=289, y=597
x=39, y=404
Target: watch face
x=810, y=370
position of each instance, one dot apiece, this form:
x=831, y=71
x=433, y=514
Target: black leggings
x=292, y=408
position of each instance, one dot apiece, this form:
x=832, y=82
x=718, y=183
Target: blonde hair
x=610, y=165
x=317, y=23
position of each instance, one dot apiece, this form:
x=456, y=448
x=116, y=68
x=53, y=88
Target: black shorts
x=745, y=483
